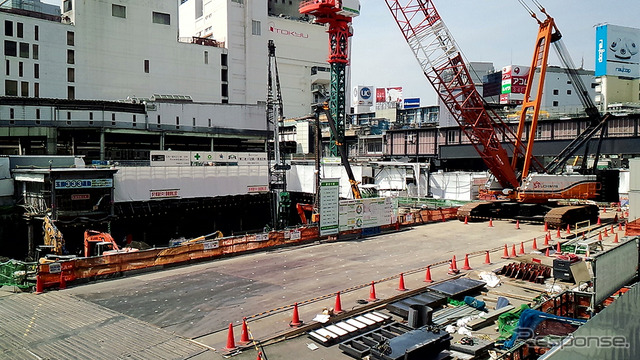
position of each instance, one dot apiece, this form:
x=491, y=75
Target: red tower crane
x=337, y=14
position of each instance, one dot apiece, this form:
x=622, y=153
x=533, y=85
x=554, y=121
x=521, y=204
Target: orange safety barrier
x=96, y=267
x=632, y=228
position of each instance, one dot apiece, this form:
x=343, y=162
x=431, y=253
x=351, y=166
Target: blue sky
x=498, y=31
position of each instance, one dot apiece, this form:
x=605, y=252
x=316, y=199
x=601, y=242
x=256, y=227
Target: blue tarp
x=531, y=319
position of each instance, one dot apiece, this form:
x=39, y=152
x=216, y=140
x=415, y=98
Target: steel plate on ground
x=458, y=287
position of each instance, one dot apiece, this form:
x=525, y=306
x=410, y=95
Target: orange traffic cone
x=244, y=334
x=337, y=309
x=487, y=259
x=546, y=253
x=604, y=210
x=427, y=276
x=517, y=224
x=599, y=221
x=546, y=227
x=535, y=244
x=521, y=252
x=259, y=356
x=505, y=255
x=612, y=229
x=372, y=293
x=401, y=283
x=568, y=229
x=490, y=222
x=606, y=233
x=615, y=240
x=295, y=319
x=513, y=251
x=558, y=234
x=558, y=249
x=600, y=235
x=547, y=237
x=619, y=226
x=231, y=344
x=453, y=267
x=466, y=220
x=466, y=263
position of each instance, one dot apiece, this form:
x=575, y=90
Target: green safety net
x=508, y=322
x=17, y=273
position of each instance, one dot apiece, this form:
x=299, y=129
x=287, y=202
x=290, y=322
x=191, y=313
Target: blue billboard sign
x=411, y=103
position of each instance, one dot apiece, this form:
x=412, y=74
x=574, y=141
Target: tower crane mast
x=337, y=14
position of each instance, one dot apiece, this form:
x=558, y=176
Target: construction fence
x=59, y=273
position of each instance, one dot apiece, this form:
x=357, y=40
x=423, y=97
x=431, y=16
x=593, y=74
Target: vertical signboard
x=363, y=95
x=329, y=200
x=617, y=51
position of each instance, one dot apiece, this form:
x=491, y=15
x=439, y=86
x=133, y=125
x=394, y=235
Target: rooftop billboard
x=617, y=51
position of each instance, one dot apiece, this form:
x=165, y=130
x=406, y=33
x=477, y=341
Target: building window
x=66, y=6
x=90, y=118
x=161, y=18
x=223, y=59
x=71, y=57
x=68, y=115
x=113, y=118
x=194, y=121
x=209, y=122
x=71, y=38
x=555, y=103
x=555, y=92
x=7, y=67
x=255, y=27
x=36, y=71
x=133, y=120
x=177, y=121
x=146, y=66
x=224, y=75
x=24, y=50
x=10, y=48
x=569, y=92
x=71, y=92
x=20, y=30
x=37, y=114
x=21, y=69
x=71, y=75
x=36, y=33
x=24, y=89
x=206, y=57
x=118, y=11
x=36, y=90
x=12, y=114
x=225, y=90
x=158, y=120
x=35, y=51
x=8, y=28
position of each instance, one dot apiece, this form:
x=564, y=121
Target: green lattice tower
x=337, y=105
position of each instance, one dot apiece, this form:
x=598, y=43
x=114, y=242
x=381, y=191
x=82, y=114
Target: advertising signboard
x=412, y=103
x=363, y=95
x=617, y=51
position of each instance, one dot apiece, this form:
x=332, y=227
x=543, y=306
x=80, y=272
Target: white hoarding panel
x=366, y=213
x=169, y=158
x=329, y=192
x=147, y=183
